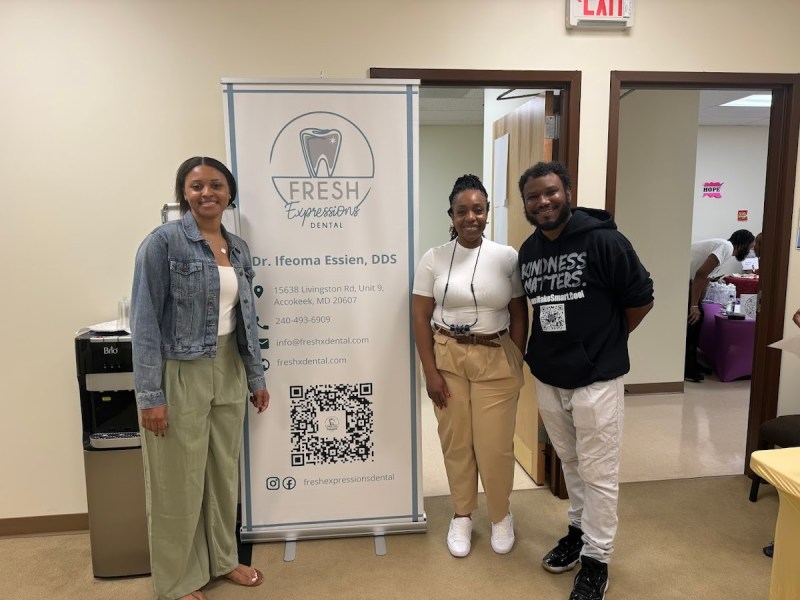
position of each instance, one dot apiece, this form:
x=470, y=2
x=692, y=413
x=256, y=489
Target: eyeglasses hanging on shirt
x=461, y=329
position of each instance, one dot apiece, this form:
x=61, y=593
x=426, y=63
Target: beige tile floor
x=700, y=433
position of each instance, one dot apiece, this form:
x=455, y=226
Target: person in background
x=589, y=291
x=196, y=355
x=757, y=254
x=706, y=256
x=470, y=321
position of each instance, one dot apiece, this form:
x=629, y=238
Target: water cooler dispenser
x=112, y=456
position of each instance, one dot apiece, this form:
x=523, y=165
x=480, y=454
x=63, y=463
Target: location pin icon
x=258, y=291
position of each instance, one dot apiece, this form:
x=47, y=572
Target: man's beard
x=550, y=225
x=742, y=254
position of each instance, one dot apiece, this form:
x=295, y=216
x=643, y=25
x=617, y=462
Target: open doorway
x=568, y=83
x=664, y=166
x=778, y=203
x=533, y=96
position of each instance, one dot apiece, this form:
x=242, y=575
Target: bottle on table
x=731, y=302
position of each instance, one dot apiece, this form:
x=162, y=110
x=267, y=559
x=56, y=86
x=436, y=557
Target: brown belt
x=473, y=338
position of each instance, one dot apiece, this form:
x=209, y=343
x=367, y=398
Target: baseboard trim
x=666, y=387
x=45, y=525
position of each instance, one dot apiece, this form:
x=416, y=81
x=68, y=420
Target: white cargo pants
x=585, y=428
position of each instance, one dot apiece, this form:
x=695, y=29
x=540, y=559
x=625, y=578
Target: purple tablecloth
x=707, y=342
x=732, y=348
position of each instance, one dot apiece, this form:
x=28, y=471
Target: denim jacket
x=175, y=306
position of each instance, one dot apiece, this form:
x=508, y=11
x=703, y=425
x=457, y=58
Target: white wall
x=656, y=163
x=736, y=156
x=445, y=153
x=102, y=100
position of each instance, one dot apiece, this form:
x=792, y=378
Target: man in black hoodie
x=588, y=290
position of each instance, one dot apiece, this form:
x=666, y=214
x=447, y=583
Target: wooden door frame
x=784, y=128
x=567, y=82
x=569, y=85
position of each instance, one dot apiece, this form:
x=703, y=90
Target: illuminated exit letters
x=600, y=13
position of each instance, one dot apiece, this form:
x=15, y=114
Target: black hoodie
x=580, y=285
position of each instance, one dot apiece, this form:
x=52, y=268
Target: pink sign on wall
x=712, y=189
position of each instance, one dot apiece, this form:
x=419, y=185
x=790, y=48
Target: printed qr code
x=551, y=317
x=331, y=424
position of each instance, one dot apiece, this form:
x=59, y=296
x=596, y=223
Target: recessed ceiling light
x=754, y=100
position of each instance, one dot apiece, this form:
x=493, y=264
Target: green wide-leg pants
x=192, y=473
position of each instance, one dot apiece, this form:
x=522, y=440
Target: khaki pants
x=476, y=428
x=191, y=474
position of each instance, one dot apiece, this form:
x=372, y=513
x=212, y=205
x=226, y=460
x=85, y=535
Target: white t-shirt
x=496, y=281
x=701, y=250
x=228, y=299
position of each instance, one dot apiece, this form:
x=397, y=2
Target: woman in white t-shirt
x=470, y=324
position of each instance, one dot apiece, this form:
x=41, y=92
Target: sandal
x=246, y=576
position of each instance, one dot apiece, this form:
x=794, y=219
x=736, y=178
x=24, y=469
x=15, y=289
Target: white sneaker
x=459, y=536
x=503, y=535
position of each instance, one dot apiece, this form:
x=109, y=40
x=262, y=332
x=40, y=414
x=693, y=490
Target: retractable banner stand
x=327, y=174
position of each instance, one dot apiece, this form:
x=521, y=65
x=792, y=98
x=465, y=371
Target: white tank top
x=228, y=299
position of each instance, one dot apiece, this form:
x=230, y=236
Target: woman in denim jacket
x=196, y=356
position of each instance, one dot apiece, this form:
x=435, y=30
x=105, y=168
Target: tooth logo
x=325, y=179
x=320, y=147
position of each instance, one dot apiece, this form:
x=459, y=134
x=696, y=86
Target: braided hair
x=742, y=241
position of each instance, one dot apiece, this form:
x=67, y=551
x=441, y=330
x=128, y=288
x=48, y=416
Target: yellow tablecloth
x=782, y=469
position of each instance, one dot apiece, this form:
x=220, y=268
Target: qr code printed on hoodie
x=551, y=317
x=331, y=423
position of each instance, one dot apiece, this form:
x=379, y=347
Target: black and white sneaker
x=591, y=582
x=566, y=554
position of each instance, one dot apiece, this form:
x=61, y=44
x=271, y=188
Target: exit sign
x=600, y=14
